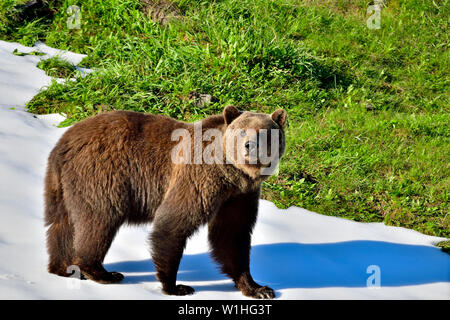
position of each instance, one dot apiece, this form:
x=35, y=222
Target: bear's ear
x=279, y=116
x=230, y=113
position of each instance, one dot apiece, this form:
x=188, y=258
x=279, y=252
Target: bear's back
x=116, y=159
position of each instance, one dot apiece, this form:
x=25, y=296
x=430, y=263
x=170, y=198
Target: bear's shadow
x=298, y=265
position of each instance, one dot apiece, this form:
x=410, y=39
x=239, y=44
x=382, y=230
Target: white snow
x=301, y=254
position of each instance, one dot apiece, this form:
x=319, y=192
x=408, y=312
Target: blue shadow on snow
x=297, y=265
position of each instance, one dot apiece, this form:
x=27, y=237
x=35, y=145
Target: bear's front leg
x=230, y=238
x=174, y=223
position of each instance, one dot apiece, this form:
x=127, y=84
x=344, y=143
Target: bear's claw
x=179, y=290
x=264, y=293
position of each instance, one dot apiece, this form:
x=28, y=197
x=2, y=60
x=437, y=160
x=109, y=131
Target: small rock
x=202, y=99
x=370, y=107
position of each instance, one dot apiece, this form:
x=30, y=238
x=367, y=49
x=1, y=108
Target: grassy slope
x=368, y=137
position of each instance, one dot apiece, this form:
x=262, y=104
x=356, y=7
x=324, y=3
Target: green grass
x=32, y=53
x=56, y=67
x=368, y=136
x=445, y=246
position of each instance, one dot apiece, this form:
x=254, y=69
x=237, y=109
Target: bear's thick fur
x=118, y=167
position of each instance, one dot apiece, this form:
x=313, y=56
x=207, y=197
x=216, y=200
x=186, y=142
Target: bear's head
x=254, y=142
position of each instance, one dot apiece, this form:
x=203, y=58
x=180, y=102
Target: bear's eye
x=242, y=133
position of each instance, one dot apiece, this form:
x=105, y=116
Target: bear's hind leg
x=60, y=231
x=60, y=246
x=91, y=242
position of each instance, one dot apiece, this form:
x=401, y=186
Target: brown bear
x=127, y=167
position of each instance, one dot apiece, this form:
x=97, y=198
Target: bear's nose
x=251, y=145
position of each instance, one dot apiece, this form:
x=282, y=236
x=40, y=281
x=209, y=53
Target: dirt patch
x=33, y=9
x=161, y=11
